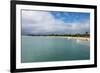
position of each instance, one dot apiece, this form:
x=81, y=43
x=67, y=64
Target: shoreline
x=76, y=38
x=71, y=37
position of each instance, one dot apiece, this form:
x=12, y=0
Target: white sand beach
x=76, y=38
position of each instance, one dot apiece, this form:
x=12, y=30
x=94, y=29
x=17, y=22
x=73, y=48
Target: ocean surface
x=45, y=49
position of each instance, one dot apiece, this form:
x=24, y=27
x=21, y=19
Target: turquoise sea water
x=44, y=49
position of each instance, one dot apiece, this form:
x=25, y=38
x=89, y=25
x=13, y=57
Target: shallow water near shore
x=45, y=49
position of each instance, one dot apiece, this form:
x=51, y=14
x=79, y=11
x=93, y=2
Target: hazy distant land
x=84, y=37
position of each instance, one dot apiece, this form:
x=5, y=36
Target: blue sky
x=71, y=17
x=48, y=22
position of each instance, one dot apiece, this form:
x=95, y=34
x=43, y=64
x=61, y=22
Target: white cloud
x=44, y=22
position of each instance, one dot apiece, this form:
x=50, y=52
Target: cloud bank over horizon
x=47, y=22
